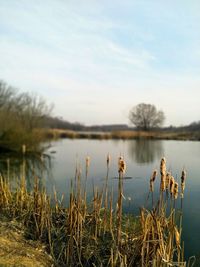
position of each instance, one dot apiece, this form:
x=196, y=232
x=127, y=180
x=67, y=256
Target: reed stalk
x=90, y=233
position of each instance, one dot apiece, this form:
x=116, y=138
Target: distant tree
x=146, y=116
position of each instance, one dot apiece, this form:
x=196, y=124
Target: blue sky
x=96, y=59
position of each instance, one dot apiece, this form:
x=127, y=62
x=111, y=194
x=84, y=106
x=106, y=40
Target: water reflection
x=141, y=153
x=15, y=165
x=145, y=151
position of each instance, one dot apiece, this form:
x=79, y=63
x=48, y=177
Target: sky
x=95, y=60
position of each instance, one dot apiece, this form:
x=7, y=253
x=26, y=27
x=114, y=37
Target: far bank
x=124, y=134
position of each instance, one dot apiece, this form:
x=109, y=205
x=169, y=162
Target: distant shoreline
x=124, y=135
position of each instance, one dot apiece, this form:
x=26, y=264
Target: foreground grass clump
x=97, y=233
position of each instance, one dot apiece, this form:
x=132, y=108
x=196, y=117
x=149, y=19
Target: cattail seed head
x=153, y=177
x=171, y=184
x=121, y=165
x=183, y=178
x=175, y=190
x=167, y=181
x=163, y=174
x=152, y=180
x=163, y=166
x=162, y=182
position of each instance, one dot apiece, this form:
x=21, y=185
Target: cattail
x=162, y=183
x=167, y=181
x=87, y=164
x=183, y=177
x=163, y=166
x=152, y=180
x=171, y=184
x=163, y=174
x=175, y=190
x=153, y=177
x=121, y=165
x=108, y=159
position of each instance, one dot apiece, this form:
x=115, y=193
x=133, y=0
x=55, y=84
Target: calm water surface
x=142, y=157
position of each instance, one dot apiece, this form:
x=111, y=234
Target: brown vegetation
x=98, y=233
x=20, y=115
x=126, y=135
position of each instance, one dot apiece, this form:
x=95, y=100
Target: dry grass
x=97, y=233
x=15, y=250
x=162, y=135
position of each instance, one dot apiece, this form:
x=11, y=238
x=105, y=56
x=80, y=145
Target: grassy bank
x=98, y=233
x=160, y=135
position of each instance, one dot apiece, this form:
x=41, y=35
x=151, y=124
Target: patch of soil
x=17, y=251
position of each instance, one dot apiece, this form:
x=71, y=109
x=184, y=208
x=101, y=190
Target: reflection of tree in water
x=35, y=165
x=145, y=151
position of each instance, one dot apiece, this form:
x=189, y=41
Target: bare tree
x=20, y=115
x=146, y=116
x=31, y=110
x=7, y=94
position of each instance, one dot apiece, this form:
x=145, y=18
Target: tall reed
x=92, y=233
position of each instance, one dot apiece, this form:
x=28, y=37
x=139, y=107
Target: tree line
x=22, y=113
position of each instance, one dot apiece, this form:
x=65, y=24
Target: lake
x=142, y=157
